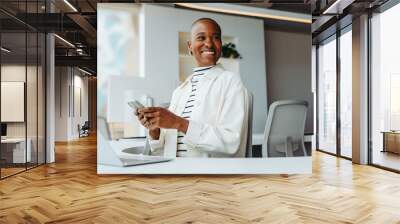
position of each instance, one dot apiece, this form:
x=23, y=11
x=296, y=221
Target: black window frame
x=333, y=37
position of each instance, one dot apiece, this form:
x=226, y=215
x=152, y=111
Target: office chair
x=284, y=130
x=249, y=144
x=84, y=129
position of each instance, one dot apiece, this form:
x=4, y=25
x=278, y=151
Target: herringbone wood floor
x=70, y=191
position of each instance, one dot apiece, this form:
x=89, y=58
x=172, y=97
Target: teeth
x=208, y=52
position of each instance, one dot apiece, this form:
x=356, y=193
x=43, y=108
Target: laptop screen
x=3, y=129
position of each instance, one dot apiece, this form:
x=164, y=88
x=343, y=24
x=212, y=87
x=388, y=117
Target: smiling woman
x=205, y=43
x=207, y=116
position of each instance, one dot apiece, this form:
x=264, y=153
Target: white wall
x=18, y=73
x=12, y=100
x=161, y=54
x=68, y=81
x=79, y=117
x=33, y=126
x=15, y=72
x=289, y=68
x=61, y=103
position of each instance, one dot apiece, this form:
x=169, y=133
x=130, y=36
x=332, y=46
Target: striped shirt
x=198, y=74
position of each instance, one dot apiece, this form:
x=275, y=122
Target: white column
x=360, y=90
x=50, y=92
x=314, y=94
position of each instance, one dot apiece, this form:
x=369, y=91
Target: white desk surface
x=289, y=165
x=13, y=140
x=256, y=140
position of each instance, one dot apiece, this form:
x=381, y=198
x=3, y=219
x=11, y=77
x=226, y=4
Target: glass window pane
x=346, y=94
x=13, y=86
x=41, y=98
x=31, y=97
x=385, y=87
x=22, y=89
x=327, y=96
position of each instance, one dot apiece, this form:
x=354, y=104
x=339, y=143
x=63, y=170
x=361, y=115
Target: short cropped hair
x=206, y=19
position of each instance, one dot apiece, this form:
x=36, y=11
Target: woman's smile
x=208, y=52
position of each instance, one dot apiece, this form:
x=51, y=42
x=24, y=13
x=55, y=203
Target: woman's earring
x=191, y=52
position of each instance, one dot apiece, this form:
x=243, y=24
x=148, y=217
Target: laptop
x=129, y=157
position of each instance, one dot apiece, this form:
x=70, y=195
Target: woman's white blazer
x=218, y=123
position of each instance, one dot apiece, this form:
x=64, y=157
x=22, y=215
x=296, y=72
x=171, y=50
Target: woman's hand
x=157, y=117
x=153, y=132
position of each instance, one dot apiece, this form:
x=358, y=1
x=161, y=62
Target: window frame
x=333, y=37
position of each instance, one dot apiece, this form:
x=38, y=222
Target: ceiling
x=78, y=24
x=298, y=6
x=326, y=24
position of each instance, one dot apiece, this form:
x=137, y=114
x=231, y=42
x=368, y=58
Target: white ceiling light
x=65, y=41
x=338, y=6
x=84, y=71
x=70, y=5
x=5, y=50
x=249, y=11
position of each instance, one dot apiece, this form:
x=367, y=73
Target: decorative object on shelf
x=229, y=51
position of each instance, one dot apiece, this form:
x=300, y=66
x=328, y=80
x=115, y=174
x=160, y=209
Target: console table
x=391, y=141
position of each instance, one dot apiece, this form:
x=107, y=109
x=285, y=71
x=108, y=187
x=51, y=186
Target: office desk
x=18, y=151
x=286, y=165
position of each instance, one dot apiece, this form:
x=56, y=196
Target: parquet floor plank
x=70, y=191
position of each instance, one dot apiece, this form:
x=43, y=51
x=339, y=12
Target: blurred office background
x=143, y=54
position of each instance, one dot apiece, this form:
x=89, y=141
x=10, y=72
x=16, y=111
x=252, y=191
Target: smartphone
x=135, y=105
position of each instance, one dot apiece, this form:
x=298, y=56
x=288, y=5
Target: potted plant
x=229, y=51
